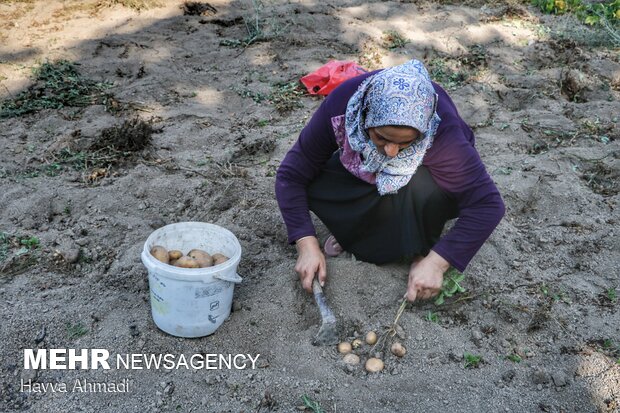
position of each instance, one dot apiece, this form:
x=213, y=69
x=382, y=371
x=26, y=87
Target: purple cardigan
x=452, y=161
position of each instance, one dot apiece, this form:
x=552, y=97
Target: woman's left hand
x=426, y=277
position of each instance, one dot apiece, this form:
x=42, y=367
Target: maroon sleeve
x=457, y=168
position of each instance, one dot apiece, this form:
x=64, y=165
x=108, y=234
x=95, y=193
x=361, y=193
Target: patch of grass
x=131, y=136
x=257, y=97
x=515, y=358
x=602, y=179
x=75, y=330
x=114, y=145
x=601, y=21
x=606, y=346
x=476, y=57
x=137, y=5
x=119, y=145
x=257, y=27
x=271, y=170
x=548, y=138
x=590, y=13
x=78, y=160
x=57, y=85
x=454, y=71
x=612, y=295
x=30, y=242
x=17, y=252
x=538, y=148
x=394, y=40
x=442, y=73
x=4, y=246
x=599, y=130
x=555, y=295
x=451, y=285
x=84, y=259
x=312, y=404
x=29, y=173
x=53, y=169
x=286, y=96
x=471, y=360
x=370, y=56
x=432, y=317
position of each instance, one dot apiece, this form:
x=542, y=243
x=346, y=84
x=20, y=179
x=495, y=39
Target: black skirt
x=380, y=229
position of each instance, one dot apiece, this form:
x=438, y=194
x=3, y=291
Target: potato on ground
x=398, y=349
x=371, y=338
x=374, y=365
x=352, y=359
x=344, y=347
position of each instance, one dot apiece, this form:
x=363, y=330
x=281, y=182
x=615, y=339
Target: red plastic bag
x=327, y=77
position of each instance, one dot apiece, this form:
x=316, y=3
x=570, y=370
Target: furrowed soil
x=183, y=113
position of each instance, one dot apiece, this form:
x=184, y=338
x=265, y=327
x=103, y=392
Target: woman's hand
x=426, y=277
x=310, y=260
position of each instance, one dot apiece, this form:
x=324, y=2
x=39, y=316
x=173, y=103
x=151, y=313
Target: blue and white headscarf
x=402, y=95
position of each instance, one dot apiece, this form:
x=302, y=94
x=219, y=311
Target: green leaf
x=471, y=360
x=440, y=299
x=432, y=317
x=515, y=358
x=592, y=20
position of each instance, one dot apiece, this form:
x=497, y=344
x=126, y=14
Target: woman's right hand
x=310, y=261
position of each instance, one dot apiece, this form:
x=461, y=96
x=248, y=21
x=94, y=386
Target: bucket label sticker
x=210, y=291
x=159, y=304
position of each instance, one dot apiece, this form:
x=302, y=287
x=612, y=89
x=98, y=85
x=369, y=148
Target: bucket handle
x=234, y=278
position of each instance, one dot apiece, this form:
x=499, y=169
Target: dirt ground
x=214, y=90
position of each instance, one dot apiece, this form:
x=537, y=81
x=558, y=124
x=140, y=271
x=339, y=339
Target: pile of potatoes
x=194, y=259
x=373, y=364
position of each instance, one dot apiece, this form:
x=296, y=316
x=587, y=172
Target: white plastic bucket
x=192, y=302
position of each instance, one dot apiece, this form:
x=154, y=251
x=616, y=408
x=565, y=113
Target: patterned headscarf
x=402, y=95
